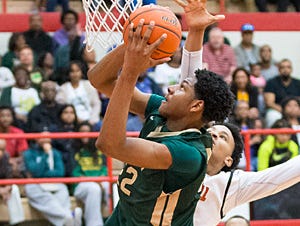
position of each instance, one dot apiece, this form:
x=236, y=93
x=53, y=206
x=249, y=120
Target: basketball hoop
x=104, y=21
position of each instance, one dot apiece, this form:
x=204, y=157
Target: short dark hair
x=65, y=13
x=12, y=43
x=21, y=68
x=233, y=86
x=218, y=99
x=286, y=100
x=281, y=123
x=238, y=145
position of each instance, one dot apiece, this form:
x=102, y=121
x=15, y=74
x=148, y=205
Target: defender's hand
x=197, y=16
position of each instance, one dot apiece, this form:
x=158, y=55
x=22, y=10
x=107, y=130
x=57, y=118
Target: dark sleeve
x=5, y=167
x=269, y=86
x=153, y=104
x=185, y=158
x=253, y=100
x=5, y=99
x=75, y=49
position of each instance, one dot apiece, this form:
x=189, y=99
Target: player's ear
x=228, y=161
x=197, y=105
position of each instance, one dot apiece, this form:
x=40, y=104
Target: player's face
x=179, y=100
x=223, y=145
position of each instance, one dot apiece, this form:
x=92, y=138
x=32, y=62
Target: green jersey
x=163, y=197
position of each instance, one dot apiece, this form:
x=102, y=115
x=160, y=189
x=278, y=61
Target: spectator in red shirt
x=14, y=146
x=218, y=56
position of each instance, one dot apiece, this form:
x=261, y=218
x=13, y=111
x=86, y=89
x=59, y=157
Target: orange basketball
x=165, y=22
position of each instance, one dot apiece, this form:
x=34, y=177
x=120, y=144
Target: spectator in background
x=237, y=220
x=244, y=91
x=240, y=115
x=282, y=5
x=258, y=81
x=256, y=141
x=21, y=97
x=27, y=60
x=67, y=123
x=14, y=146
x=90, y=162
x=88, y=59
x=52, y=4
x=10, y=194
x=291, y=112
x=45, y=64
x=38, y=40
x=207, y=30
x=217, y=56
x=68, y=45
x=247, y=52
x=52, y=200
x=45, y=115
x=6, y=78
x=69, y=21
x=278, y=88
x=11, y=58
x=269, y=69
x=277, y=148
x=81, y=94
x=168, y=73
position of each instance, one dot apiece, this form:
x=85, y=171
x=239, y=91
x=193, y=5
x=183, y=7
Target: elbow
x=104, y=146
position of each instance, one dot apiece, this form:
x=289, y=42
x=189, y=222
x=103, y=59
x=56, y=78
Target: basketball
x=165, y=22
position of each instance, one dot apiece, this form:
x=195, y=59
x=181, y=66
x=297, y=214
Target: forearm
x=257, y=185
x=113, y=131
x=194, y=40
x=192, y=53
x=105, y=72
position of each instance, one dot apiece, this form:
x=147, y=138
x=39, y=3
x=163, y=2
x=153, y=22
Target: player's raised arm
x=197, y=19
x=104, y=74
x=112, y=139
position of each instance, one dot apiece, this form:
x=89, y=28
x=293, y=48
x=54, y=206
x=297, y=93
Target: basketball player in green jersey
x=166, y=164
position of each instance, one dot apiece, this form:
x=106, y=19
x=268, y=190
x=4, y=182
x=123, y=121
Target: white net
x=104, y=20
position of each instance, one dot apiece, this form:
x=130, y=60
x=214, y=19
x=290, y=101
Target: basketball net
x=105, y=19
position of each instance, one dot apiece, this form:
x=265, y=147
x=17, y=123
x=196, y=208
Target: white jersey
x=245, y=187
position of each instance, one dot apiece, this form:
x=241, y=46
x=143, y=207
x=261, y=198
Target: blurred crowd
x=44, y=88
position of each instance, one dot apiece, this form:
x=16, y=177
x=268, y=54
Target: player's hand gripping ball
x=165, y=22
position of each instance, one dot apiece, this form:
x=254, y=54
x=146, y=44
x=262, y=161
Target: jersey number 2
x=129, y=181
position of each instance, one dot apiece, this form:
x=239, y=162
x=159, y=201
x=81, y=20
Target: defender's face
x=223, y=143
x=178, y=99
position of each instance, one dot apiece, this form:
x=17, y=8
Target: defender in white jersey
x=243, y=187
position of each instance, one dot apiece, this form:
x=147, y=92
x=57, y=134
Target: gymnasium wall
x=280, y=30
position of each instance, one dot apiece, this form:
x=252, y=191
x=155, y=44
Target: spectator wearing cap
x=218, y=56
x=247, y=52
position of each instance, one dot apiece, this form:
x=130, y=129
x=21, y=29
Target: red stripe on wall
x=233, y=22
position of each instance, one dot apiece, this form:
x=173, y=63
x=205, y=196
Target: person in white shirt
x=224, y=188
